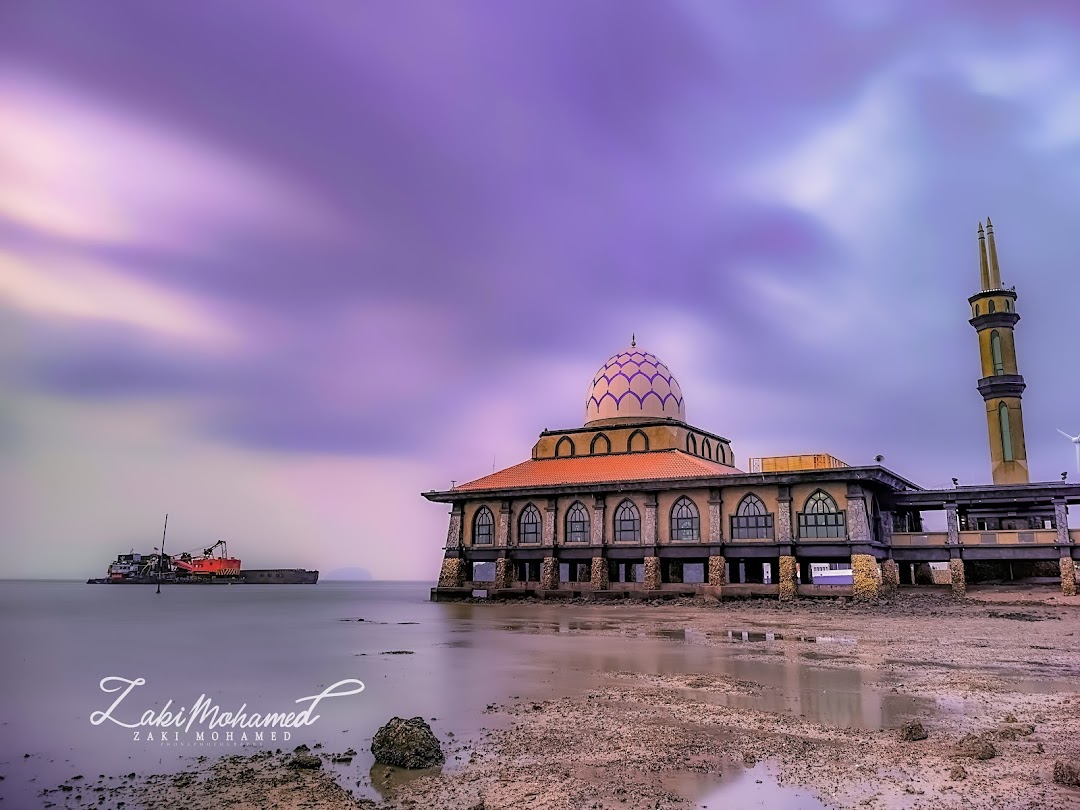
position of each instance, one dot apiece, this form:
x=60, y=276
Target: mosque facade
x=640, y=502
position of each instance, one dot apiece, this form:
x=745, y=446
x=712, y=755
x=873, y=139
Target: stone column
x=783, y=515
x=652, y=573
x=648, y=524
x=549, y=574
x=865, y=584
x=1068, y=576
x=716, y=526
x=858, y=520
x=717, y=571
x=890, y=576
x=453, y=573
x=953, y=524
x=1061, y=521
x=956, y=577
x=502, y=538
x=599, y=578
x=789, y=588
x=675, y=571
x=547, y=538
x=596, y=525
x=504, y=573
x=453, y=533
x=886, y=527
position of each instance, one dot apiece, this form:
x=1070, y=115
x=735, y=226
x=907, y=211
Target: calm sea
x=268, y=645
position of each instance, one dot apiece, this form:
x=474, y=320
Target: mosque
x=639, y=502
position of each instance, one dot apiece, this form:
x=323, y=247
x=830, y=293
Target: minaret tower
x=994, y=315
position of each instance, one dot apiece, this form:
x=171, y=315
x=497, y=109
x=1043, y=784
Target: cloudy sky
x=277, y=268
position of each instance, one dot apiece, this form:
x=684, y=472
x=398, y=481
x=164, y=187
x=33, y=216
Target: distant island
x=352, y=574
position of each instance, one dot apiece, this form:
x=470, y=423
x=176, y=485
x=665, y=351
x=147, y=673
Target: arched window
x=991, y=307
x=722, y=453
x=627, y=523
x=1008, y=305
x=821, y=517
x=483, y=528
x=751, y=521
x=1006, y=432
x=691, y=444
x=577, y=524
x=565, y=447
x=529, y=525
x=976, y=310
x=706, y=448
x=995, y=352
x=637, y=443
x=685, y=522
x=600, y=445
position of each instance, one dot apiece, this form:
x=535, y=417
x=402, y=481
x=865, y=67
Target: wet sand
x=785, y=706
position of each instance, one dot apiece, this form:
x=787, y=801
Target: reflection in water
x=757, y=787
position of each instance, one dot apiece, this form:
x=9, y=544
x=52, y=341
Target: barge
x=207, y=569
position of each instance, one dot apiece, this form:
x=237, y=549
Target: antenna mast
x=161, y=558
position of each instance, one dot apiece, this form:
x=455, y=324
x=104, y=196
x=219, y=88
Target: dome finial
x=633, y=340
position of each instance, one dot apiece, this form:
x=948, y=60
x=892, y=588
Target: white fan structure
x=1076, y=441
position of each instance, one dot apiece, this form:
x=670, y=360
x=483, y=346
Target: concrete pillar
x=675, y=571
x=890, y=577
x=452, y=574
x=453, y=533
x=652, y=573
x=596, y=525
x=1061, y=521
x=789, y=588
x=953, y=524
x=599, y=573
x=547, y=536
x=956, y=576
x=549, y=574
x=1068, y=576
x=502, y=536
x=504, y=573
x=783, y=516
x=858, y=518
x=865, y=584
x=716, y=526
x=717, y=571
x=648, y=525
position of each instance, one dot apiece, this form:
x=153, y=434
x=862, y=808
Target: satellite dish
x=879, y=458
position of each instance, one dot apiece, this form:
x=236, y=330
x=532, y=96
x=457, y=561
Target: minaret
x=994, y=315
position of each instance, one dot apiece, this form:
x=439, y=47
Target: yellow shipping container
x=815, y=461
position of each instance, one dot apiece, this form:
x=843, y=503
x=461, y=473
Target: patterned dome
x=634, y=384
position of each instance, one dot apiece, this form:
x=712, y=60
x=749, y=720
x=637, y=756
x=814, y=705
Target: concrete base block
x=717, y=571
x=890, y=577
x=957, y=578
x=599, y=578
x=1068, y=576
x=549, y=574
x=452, y=574
x=787, y=579
x=865, y=577
x=652, y=574
x=504, y=573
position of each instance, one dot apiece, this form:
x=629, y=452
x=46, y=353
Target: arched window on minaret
x=995, y=352
x=1006, y=433
x=991, y=307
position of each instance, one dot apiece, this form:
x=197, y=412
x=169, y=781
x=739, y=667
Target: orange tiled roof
x=648, y=466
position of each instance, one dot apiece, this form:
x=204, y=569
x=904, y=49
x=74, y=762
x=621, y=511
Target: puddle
x=758, y=787
x=762, y=636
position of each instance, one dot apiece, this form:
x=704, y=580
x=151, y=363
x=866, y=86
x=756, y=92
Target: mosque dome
x=634, y=385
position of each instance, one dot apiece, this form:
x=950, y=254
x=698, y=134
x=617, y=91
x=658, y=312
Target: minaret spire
x=633, y=340
x=995, y=271
x=984, y=267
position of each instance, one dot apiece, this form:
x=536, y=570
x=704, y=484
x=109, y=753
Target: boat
x=206, y=569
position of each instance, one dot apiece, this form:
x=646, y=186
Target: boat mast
x=161, y=558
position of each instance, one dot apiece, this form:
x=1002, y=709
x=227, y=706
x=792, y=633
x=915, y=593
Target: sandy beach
x=1005, y=670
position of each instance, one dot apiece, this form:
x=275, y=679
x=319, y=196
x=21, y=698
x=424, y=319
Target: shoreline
x=645, y=738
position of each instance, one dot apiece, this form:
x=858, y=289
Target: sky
x=275, y=269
